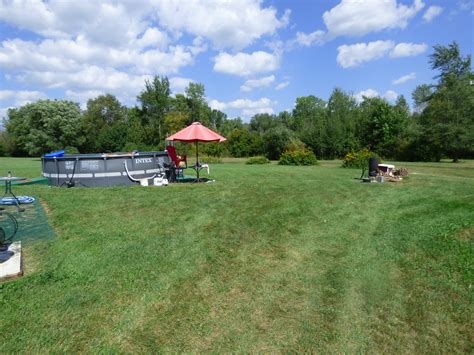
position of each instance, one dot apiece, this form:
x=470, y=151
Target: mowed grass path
x=268, y=258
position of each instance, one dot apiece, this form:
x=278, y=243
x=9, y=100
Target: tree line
x=441, y=124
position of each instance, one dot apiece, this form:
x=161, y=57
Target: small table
x=8, y=189
x=198, y=168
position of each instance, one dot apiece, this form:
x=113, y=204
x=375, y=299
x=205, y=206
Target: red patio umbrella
x=196, y=132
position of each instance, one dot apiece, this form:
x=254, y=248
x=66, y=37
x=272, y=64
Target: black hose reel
x=373, y=167
x=8, y=229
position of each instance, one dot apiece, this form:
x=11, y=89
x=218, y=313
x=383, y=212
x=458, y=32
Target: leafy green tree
x=450, y=63
x=197, y=104
x=285, y=118
x=275, y=140
x=178, y=115
x=155, y=102
x=342, y=119
x=112, y=138
x=307, y=110
x=382, y=126
x=217, y=119
x=136, y=133
x=230, y=125
x=401, y=105
x=102, y=114
x=262, y=122
x=44, y=126
x=447, y=122
x=242, y=143
x=308, y=120
x=179, y=103
x=175, y=121
x=407, y=128
x=421, y=96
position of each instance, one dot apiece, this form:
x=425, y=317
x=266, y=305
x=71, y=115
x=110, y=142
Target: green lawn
x=268, y=258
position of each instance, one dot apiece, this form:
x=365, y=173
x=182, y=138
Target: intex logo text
x=143, y=160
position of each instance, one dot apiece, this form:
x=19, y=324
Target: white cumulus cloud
x=404, y=79
x=360, y=17
x=408, y=50
x=389, y=95
x=3, y=114
x=365, y=93
x=107, y=22
x=83, y=96
x=247, y=107
x=123, y=85
x=229, y=23
x=31, y=15
x=432, y=12
x=70, y=55
x=356, y=18
x=179, y=84
x=244, y=64
x=310, y=39
x=87, y=47
x=154, y=38
x=21, y=97
x=282, y=85
x=251, y=84
x=356, y=54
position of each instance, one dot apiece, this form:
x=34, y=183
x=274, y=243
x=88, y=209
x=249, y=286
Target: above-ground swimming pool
x=104, y=169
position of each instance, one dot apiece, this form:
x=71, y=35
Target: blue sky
x=252, y=56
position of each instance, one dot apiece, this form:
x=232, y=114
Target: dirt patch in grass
x=45, y=206
x=466, y=235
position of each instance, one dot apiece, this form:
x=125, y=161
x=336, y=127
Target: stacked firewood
x=395, y=176
x=400, y=172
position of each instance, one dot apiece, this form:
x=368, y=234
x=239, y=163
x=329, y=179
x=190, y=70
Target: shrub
x=298, y=157
x=242, y=143
x=257, y=160
x=295, y=144
x=275, y=140
x=358, y=159
x=71, y=150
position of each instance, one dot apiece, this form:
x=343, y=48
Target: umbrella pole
x=197, y=162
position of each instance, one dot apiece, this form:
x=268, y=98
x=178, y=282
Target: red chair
x=179, y=161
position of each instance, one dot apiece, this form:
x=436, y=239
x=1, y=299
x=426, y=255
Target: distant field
x=268, y=258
